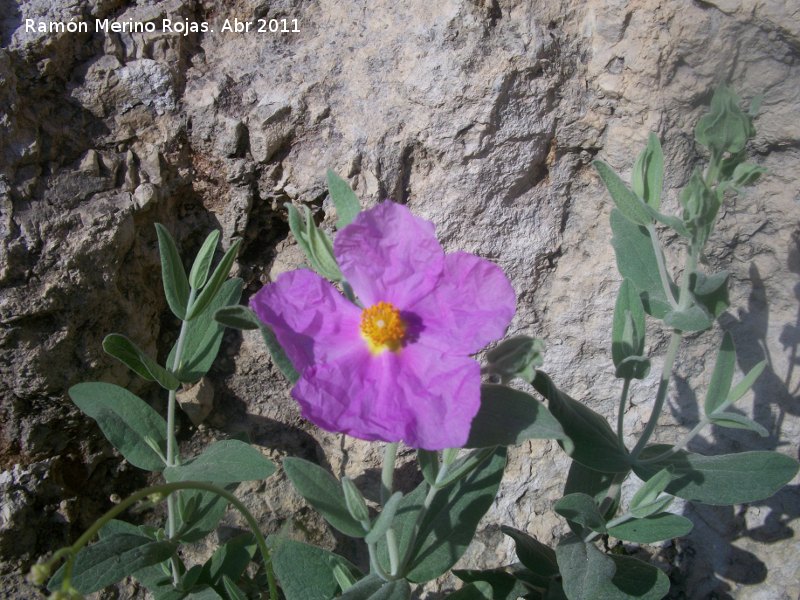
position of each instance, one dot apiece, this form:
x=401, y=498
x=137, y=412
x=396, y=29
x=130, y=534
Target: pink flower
x=398, y=369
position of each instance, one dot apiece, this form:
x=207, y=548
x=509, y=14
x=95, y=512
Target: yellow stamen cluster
x=382, y=327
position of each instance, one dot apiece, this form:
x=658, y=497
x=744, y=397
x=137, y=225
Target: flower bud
x=354, y=500
x=516, y=357
x=39, y=573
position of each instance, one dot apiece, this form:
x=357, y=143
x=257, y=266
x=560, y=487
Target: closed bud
x=354, y=500
x=726, y=128
x=516, y=357
x=39, y=574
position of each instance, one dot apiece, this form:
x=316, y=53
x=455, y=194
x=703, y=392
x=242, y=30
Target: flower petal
x=472, y=305
x=419, y=396
x=387, y=254
x=311, y=319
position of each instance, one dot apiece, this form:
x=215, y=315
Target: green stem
x=172, y=454
x=375, y=563
x=669, y=358
x=387, y=484
x=662, y=267
x=680, y=445
x=169, y=488
x=387, y=473
x=448, y=456
x=623, y=403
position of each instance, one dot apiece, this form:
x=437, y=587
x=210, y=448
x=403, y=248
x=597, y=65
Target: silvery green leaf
x=740, y=389
x=694, y=318
x=653, y=528
x=354, y=500
x=429, y=464
x=322, y=491
x=139, y=361
x=648, y=173
x=226, y=461
x=111, y=559
x=747, y=174
x=591, y=441
x=126, y=420
x=508, y=417
x=204, y=335
x=646, y=498
x=321, y=250
x=215, y=283
x=237, y=317
x=517, y=356
x=736, y=421
x=720, y=480
x=385, y=519
x=636, y=261
x=726, y=128
x=176, y=285
x=582, y=510
x=629, y=204
x=344, y=199
x=202, y=262
x=721, y=376
x=628, y=326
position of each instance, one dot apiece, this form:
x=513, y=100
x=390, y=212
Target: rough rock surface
x=481, y=115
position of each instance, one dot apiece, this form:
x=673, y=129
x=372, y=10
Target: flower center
x=382, y=327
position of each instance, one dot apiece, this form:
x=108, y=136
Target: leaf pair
x=315, y=243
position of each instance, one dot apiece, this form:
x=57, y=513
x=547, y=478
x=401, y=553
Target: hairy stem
x=169, y=488
x=662, y=267
x=623, y=403
x=172, y=458
x=387, y=473
x=669, y=358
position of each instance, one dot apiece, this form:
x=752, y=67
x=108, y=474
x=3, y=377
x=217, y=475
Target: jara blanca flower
x=396, y=366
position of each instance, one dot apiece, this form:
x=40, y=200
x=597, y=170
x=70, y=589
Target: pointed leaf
x=199, y=513
x=711, y=292
x=593, y=443
x=322, y=491
x=464, y=466
x=344, y=199
x=227, y=461
x=509, y=417
x=694, y=318
x=720, y=480
x=627, y=332
x=176, y=285
x=628, y=203
x=385, y=519
x=654, y=528
x=538, y=558
x=363, y=589
x=111, y=559
x=451, y=520
x=636, y=579
x=498, y=584
x=214, y=284
x=582, y=510
x=429, y=464
x=278, y=355
x=740, y=389
x=649, y=492
x=586, y=572
x=305, y=572
x=234, y=593
x=581, y=479
x=736, y=421
x=636, y=261
x=230, y=560
x=722, y=376
x=127, y=353
x=204, y=335
x=237, y=317
x=126, y=420
x=202, y=262
x=647, y=178
x=138, y=361
x=321, y=250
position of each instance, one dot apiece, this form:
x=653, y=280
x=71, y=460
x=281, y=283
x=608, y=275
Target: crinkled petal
x=471, y=306
x=311, y=319
x=418, y=396
x=387, y=254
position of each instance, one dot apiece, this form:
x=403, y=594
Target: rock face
x=482, y=116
